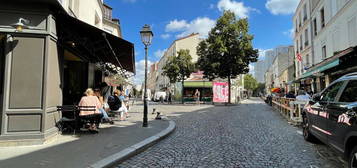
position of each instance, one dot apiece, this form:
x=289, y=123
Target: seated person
x=105, y=117
x=116, y=105
x=94, y=116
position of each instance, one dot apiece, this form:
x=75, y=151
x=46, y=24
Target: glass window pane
x=330, y=93
x=350, y=93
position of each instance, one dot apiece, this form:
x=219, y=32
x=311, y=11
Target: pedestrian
x=290, y=95
x=169, y=97
x=302, y=96
x=197, y=96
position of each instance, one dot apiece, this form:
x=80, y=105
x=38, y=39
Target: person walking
x=169, y=98
x=197, y=96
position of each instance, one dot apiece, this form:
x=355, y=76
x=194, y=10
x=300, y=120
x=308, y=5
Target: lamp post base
x=145, y=120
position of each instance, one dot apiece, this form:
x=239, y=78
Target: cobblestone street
x=248, y=135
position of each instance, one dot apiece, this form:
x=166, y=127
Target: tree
x=228, y=50
x=179, y=68
x=250, y=83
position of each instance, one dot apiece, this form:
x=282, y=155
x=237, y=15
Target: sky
x=270, y=22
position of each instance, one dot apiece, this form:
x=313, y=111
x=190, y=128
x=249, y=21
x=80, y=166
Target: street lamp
x=146, y=37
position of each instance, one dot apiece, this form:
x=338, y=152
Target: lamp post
x=146, y=37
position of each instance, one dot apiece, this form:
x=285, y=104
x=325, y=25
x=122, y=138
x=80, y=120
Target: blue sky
x=270, y=21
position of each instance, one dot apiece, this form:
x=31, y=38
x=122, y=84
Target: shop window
x=349, y=94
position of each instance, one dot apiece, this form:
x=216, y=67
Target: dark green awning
x=321, y=68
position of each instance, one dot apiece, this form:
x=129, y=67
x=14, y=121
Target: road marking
x=299, y=132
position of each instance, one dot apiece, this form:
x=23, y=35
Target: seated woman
x=105, y=117
x=94, y=116
x=116, y=105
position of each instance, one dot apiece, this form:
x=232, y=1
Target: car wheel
x=353, y=158
x=306, y=130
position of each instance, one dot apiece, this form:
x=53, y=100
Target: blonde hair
x=89, y=92
x=116, y=92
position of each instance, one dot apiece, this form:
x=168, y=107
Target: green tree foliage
x=250, y=83
x=179, y=68
x=228, y=50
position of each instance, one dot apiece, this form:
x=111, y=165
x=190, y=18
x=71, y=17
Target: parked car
x=159, y=96
x=331, y=117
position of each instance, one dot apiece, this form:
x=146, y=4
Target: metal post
x=145, y=119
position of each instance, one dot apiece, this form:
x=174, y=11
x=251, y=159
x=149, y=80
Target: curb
x=135, y=149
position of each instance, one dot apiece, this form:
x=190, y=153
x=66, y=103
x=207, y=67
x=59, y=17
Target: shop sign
x=220, y=92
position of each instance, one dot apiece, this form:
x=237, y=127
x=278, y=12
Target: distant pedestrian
x=169, y=99
x=197, y=96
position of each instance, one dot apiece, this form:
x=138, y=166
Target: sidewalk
x=87, y=149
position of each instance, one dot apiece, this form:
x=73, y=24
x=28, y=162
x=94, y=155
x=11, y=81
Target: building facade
x=333, y=30
x=189, y=42
x=50, y=62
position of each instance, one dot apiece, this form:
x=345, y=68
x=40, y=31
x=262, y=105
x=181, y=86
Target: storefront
x=204, y=87
x=332, y=68
x=49, y=63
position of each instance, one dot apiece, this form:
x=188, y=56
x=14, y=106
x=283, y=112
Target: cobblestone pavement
x=248, y=135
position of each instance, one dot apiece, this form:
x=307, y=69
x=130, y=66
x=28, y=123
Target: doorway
x=75, y=78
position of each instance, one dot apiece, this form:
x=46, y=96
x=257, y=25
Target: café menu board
x=220, y=92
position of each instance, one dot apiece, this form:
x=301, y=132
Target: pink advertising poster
x=220, y=92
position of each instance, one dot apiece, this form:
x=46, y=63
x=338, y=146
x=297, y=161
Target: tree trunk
x=182, y=92
x=229, y=89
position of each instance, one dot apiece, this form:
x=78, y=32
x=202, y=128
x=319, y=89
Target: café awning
x=93, y=44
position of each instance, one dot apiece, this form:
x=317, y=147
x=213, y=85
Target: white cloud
x=251, y=68
x=289, y=33
x=165, y=36
x=176, y=25
x=140, y=71
x=159, y=53
x=284, y=7
x=201, y=25
x=237, y=8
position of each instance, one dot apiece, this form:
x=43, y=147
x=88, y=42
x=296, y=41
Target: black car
x=331, y=117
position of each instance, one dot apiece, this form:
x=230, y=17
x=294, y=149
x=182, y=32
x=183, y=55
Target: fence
x=290, y=108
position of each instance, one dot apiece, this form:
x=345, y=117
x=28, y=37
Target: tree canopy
x=228, y=50
x=250, y=83
x=180, y=67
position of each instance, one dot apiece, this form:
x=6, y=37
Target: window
x=300, y=19
x=307, y=60
x=315, y=26
x=306, y=38
x=301, y=43
x=322, y=15
x=323, y=52
x=331, y=92
x=349, y=94
x=305, y=12
x=296, y=25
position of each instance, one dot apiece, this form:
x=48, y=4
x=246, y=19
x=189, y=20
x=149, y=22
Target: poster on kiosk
x=220, y=92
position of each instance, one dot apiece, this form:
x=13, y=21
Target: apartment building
x=333, y=28
x=189, y=42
